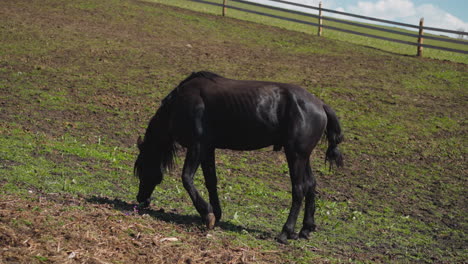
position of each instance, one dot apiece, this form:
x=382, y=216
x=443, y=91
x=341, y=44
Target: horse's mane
x=158, y=142
x=157, y=136
x=167, y=156
x=201, y=74
x=166, y=145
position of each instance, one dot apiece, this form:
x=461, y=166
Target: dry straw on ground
x=58, y=229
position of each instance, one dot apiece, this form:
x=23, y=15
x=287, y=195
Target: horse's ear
x=139, y=142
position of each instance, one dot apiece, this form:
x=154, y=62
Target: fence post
x=319, y=33
x=420, y=37
x=224, y=7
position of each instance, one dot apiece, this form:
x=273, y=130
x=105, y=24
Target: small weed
x=42, y=259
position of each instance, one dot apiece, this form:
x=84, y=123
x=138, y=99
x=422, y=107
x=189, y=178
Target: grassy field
x=328, y=33
x=79, y=81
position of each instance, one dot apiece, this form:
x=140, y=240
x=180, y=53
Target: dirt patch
x=94, y=72
x=60, y=229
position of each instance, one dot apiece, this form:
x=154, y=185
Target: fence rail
x=419, y=36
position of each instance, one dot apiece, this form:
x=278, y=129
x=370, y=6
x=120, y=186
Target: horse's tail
x=334, y=136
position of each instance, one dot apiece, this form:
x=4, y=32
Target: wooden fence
x=224, y=6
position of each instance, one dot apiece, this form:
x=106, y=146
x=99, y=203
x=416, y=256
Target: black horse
x=207, y=111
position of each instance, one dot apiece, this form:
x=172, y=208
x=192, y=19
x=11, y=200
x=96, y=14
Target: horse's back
x=248, y=115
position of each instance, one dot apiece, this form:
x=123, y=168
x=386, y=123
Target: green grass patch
x=81, y=80
x=328, y=33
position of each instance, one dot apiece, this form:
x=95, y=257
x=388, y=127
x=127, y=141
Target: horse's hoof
x=304, y=235
x=293, y=236
x=305, y=231
x=282, y=239
x=210, y=221
x=144, y=204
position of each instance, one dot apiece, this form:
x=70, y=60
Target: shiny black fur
x=207, y=111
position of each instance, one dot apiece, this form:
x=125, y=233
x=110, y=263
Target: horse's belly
x=244, y=136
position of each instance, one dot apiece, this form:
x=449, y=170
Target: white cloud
x=385, y=9
x=436, y=17
x=407, y=12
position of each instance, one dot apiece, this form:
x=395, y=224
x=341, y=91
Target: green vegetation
x=79, y=81
x=328, y=33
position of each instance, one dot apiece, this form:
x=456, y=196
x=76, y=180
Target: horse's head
x=148, y=170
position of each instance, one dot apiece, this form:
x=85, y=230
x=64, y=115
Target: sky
x=447, y=14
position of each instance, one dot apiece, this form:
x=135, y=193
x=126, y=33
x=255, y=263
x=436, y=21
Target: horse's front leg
x=192, y=161
x=209, y=171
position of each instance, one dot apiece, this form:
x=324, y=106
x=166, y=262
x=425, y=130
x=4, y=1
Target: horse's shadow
x=170, y=217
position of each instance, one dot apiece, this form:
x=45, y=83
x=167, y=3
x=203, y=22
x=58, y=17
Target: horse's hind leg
x=192, y=161
x=209, y=171
x=297, y=168
x=309, y=191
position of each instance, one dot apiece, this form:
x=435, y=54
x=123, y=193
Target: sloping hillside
x=79, y=81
